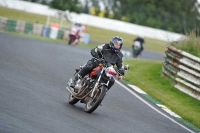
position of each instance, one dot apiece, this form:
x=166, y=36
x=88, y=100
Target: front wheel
x=96, y=100
x=72, y=100
x=134, y=54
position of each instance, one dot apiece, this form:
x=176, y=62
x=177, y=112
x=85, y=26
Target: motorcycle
x=137, y=48
x=73, y=36
x=73, y=39
x=92, y=88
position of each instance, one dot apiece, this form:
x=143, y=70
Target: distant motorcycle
x=92, y=88
x=73, y=36
x=137, y=48
x=72, y=39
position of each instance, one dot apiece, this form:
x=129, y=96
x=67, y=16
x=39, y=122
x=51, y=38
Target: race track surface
x=33, y=98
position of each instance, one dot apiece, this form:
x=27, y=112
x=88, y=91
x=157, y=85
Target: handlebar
x=106, y=64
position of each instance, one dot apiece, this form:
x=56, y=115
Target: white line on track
x=141, y=99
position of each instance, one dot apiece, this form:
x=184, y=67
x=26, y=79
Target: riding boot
x=84, y=71
x=73, y=81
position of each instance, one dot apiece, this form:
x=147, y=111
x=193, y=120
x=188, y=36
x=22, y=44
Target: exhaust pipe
x=69, y=90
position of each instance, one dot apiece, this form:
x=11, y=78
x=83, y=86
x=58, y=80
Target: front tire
x=92, y=104
x=134, y=54
x=72, y=100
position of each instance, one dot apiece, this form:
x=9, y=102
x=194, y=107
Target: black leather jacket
x=109, y=55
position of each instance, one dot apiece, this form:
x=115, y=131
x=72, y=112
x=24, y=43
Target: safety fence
x=11, y=25
x=184, y=69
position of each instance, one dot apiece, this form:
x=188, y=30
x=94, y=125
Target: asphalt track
x=33, y=98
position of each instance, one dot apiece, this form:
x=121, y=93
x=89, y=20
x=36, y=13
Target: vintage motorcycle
x=92, y=88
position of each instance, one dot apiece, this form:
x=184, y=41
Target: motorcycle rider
x=75, y=30
x=140, y=40
x=111, y=54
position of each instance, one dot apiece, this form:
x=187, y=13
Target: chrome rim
x=92, y=102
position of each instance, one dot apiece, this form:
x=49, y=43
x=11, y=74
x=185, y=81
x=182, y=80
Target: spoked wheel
x=95, y=101
x=72, y=100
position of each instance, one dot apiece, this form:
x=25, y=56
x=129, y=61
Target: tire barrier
x=60, y=33
x=46, y=31
x=37, y=29
x=20, y=27
x=184, y=69
x=28, y=28
x=3, y=22
x=11, y=25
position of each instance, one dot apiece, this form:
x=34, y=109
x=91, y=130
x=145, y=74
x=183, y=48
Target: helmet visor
x=117, y=44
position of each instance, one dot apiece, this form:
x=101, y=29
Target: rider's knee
x=90, y=64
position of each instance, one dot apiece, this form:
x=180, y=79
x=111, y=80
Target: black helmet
x=118, y=40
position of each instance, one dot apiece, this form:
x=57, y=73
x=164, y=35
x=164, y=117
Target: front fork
x=97, y=83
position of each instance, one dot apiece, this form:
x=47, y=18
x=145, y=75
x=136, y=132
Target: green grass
x=96, y=34
x=147, y=75
x=190, y=44
x=29, y=17
x=103, y=35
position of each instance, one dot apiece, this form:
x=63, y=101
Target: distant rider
x=75, y=30
x=139, y=40
x=111, y=54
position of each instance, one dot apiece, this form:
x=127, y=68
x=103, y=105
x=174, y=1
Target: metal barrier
x=184, y=69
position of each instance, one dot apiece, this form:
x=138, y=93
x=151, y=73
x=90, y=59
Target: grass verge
x=147, y=75
x=190, y=44
x=103, y=35
x=29, y=17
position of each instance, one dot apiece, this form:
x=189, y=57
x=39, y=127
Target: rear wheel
x=96, y=100
x=70, y=41
x=72, y=100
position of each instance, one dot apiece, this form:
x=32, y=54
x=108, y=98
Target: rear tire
x=70, y=41
x=96, y=101
x=72, y=100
